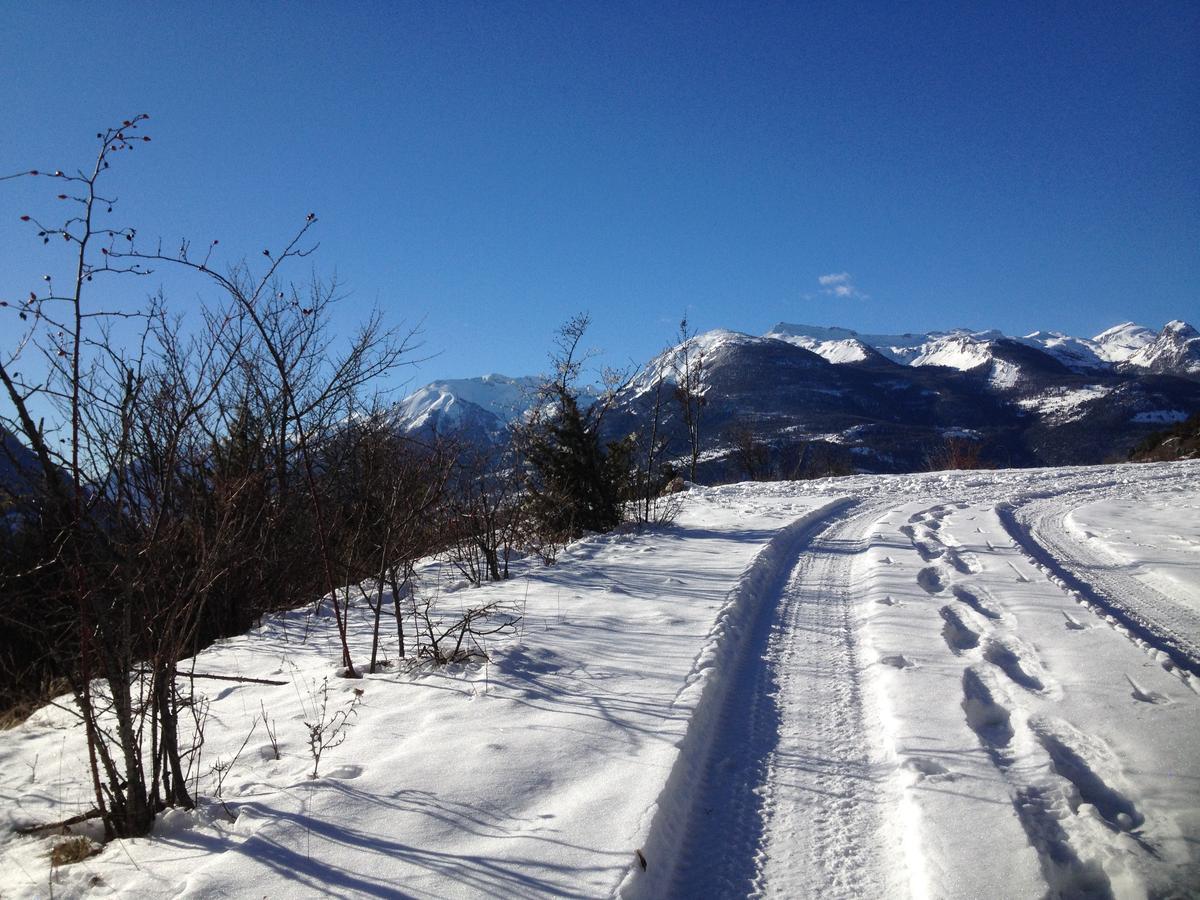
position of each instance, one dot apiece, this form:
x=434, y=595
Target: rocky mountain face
x=1175, y=351
x=814, y=399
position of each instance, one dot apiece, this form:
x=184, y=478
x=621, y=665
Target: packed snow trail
x=791, y=803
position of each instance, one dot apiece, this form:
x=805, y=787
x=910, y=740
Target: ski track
x=792, y=796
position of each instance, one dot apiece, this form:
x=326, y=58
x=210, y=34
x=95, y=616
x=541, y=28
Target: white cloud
x=840, y=284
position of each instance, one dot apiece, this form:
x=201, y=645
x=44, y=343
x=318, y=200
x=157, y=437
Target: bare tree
x=166, y=481
x=752, y=455
x=485, y=514
x=690, y=389
x=653, y=472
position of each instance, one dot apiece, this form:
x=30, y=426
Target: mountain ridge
x=880, y=402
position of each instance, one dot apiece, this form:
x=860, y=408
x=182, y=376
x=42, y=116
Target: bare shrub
x=164, y=485
x=329, y=728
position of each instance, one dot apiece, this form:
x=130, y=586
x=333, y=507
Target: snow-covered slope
x=1176, y=350
x=500, y=396
x=900, y=348
x=477, y=409
x=1078, y=354
x=835, y=349
x=935, y=685
x=1122, y=341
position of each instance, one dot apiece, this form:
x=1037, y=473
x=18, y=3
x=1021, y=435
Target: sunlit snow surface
x=967, y=684
x=1064, y=404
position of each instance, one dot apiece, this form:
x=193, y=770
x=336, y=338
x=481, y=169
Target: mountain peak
x=1180, y=328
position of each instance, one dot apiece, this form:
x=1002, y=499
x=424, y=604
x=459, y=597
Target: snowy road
x=957, y=699
x=791, y=773
x=973, y=684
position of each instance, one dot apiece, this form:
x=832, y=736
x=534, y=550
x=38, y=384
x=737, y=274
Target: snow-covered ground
x=972, y=684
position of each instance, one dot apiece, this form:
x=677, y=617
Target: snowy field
x=971, y=684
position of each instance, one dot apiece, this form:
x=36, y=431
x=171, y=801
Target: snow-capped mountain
x=878, y=402
x=478, y=408
x=1175, y=351
x=1122, y=341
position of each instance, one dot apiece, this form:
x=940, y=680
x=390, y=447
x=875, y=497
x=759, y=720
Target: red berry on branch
x=24, y=218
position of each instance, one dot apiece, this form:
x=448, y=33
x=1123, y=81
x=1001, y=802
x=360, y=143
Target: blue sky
x=488, y=169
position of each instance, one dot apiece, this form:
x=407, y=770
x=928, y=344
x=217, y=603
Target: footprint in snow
x=888, y=600
x=965, y=563
x=897, y=661
x=958, y=635
x=345, y=773
x=930, y=580
x=1012, y=659
x=1090, y=765
x=976, y=601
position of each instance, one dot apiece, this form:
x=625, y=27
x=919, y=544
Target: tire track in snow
x=1037, y=529
x=791, y=772
x=710, y=811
